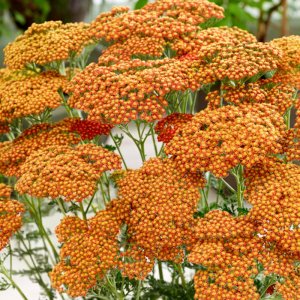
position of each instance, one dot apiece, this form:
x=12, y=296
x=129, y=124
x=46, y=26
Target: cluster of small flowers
x=24, y=93
x=194, y=42
x=288, y=69
x=130, y=90
x=167, y=127
x=231, y=252
x=280, y=95
x=220, y=61
x=89, y=129
x=45, y=43
x=291, y=77
x=64, y=133
x=273, y=190
x=14, y=153
x=161, y=201
x=90, y=249
x=64, y=171
x=162, y=19
x=156, y=203
x=133, y=46
x=290, y=47
x=217, y=140
x=10, y=215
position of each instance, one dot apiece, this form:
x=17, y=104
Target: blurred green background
x=266, y=19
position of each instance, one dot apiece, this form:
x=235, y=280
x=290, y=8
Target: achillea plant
x=156, y=232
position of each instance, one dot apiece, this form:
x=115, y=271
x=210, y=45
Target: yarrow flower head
x=289, y=66
x=89, y=129
x=162, y=19
x=218, y=140
x=28, y=93
x=228, y=62
x=129, y=90
x=232, y=255
x=280, y=95
x=290, y=47
x=10, y=215
x=273, y=189
x=64, y=171
x=44, y=43
x=194, y=42
x=160, y=201
x=14, y=153
x=166, y=128
x=90, y=249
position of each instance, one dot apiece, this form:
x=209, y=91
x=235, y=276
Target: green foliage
x=167, y=291
x=4, y=284
x=140, y=3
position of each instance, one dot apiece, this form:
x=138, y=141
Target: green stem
x=37, y=275
x=153, y=140
x=139, y=289
x=13, y=283
x=221, y=95
x=89, y=205
x=82, y=211
x=238, y=174
x=220, y=185
x=105, y=200
x=36, y=214
x=181, y=275
x=61, y=206
x=107, y=184
x=160, y=270
x=194, y=102
x=287, y=118
x=119, y=151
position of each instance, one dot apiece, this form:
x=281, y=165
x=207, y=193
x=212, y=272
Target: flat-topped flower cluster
x=154, y=63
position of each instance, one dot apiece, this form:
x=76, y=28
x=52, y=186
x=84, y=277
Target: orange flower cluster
x=161, y=201
x=231, y=252
x=90, y=249
x=69, y=227
x=225, y=61
x=136, y=262
x=130, y=90
x=273, y=190
x=10, y=215
x=167, y=127
x=290, y=47
x=28, y=93
x=69, y=172
x=217, y=140
x=194, y=42
x=288, y=71
x=133, y=46
x=167, y=19
x=291, y=77
x=14, y=153
x=89, y=129
x=279, y=95
x=45, y=43
x=148, y=31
